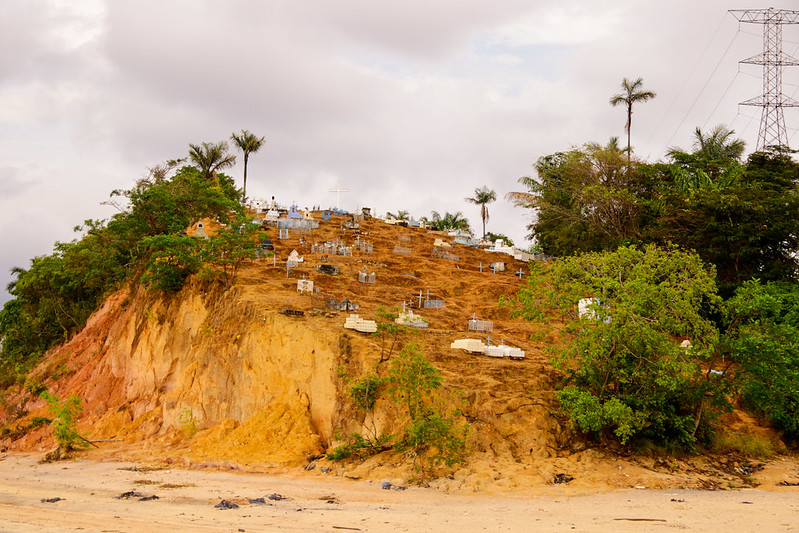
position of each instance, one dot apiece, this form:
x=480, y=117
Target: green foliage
x=358, y=446
x=63, y=415
x=626, y=372
x=450, y=221
x=189, y=422
x=493, y=237
x=55, y=296
x=228, y=249
x=365, y=391
x=763, y=336
x=172, y=258
x=412, y=382
x=482, y=197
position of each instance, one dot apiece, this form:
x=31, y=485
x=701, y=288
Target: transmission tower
x=772, y=121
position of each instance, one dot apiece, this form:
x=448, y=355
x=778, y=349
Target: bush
x=63, y=415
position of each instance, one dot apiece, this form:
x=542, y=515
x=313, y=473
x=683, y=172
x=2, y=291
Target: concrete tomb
x=477, y=346
x=296, y=257
x=201, y=231
x=410, y=319
x=343, y=305
x=305, y=285
x=327, y=269
x=366, y=277
x=284, y=234
x=294, y=212
x=357, y=323
x=498, y=266
x=401, y=250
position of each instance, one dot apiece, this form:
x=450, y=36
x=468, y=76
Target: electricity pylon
x=772, y=120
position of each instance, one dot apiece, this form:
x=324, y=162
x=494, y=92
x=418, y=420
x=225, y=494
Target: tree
x=399, y=215
x=450, y=221
x=584, y=200
x=717, y=145
x=483, y=197
x=763, y=336
x=210, y=158
x=626, y=374
x=631, y=93
x=248, y=144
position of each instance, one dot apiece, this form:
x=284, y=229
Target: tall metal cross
x=420, y=299
x=520, y=273
x=338, y=190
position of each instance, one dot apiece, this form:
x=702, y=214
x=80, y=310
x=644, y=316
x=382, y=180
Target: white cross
x=338, y=190
x=481, y=267
x=420, y=299
x=520, y=273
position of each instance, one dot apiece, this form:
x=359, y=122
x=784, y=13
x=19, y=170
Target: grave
x=331, y=270
x=291, y=312
x=200, y=231
x=304, y=285
x=307, y=215
x=480, y=325
x=410, y=319
x=271, y=216
x=592, y=309
x=440, y=243
x=284, y=234
x=401, y=250
x=294, y=212
x=404, y=238
x=477, y=346
x=470, y=345
x=294, y=256
x=444, y=254
x=366, y=277
x=357, y=323
x=343, y=305
x=366, y=211
x=326, y=215
x=498, y=266
x=351, y=224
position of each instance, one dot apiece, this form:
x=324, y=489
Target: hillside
x=267, y=390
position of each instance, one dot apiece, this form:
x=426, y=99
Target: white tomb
x=357, y=323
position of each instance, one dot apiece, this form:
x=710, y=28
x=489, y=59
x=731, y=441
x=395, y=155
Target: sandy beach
x=90, y=490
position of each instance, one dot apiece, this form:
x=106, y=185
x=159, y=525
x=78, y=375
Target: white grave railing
x=481, y=325
x=366, y=277
x=401, y=250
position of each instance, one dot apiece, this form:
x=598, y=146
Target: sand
x=186, y=500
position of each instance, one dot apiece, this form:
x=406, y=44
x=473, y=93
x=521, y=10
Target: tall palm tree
x=483, y=197
x=248, y=144
x=210, y=158
x=631, y=93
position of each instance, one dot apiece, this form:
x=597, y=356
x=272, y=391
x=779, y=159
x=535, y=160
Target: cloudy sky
x=410, y=105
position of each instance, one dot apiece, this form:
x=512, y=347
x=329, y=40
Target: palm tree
x=211, y=157
x=399, y=215
x=248, y=144
x=717, y=145
x=483, y=197
x=631, y=93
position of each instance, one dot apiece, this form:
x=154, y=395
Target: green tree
x=211, y=158
x=450, y=221
x=763, y=338
x=719, y=144
x=626, y=373
x=584, y=200
x=172, y=259
x=64, y=414
x=632, y=92
x=482, y=197
x=248, y=143
x=228, y=249
x=399, y=215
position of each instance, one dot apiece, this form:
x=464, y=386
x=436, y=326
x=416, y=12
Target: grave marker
x=480, y=325
x=304, y=285
x=401, y=250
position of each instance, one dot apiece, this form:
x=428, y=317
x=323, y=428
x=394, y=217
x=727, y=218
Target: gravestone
x=284, y=234
x=327, y=269
x=401, y=250
x=498, y=266
x=201, y=231
x=359, y=324
x=366, y=277
x=404, y=238
x=305, y=285
x=326, y=216
x=344, y=305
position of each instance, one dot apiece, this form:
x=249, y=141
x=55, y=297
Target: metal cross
x=420, y=299
x=520, y=273
x=481, y=266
